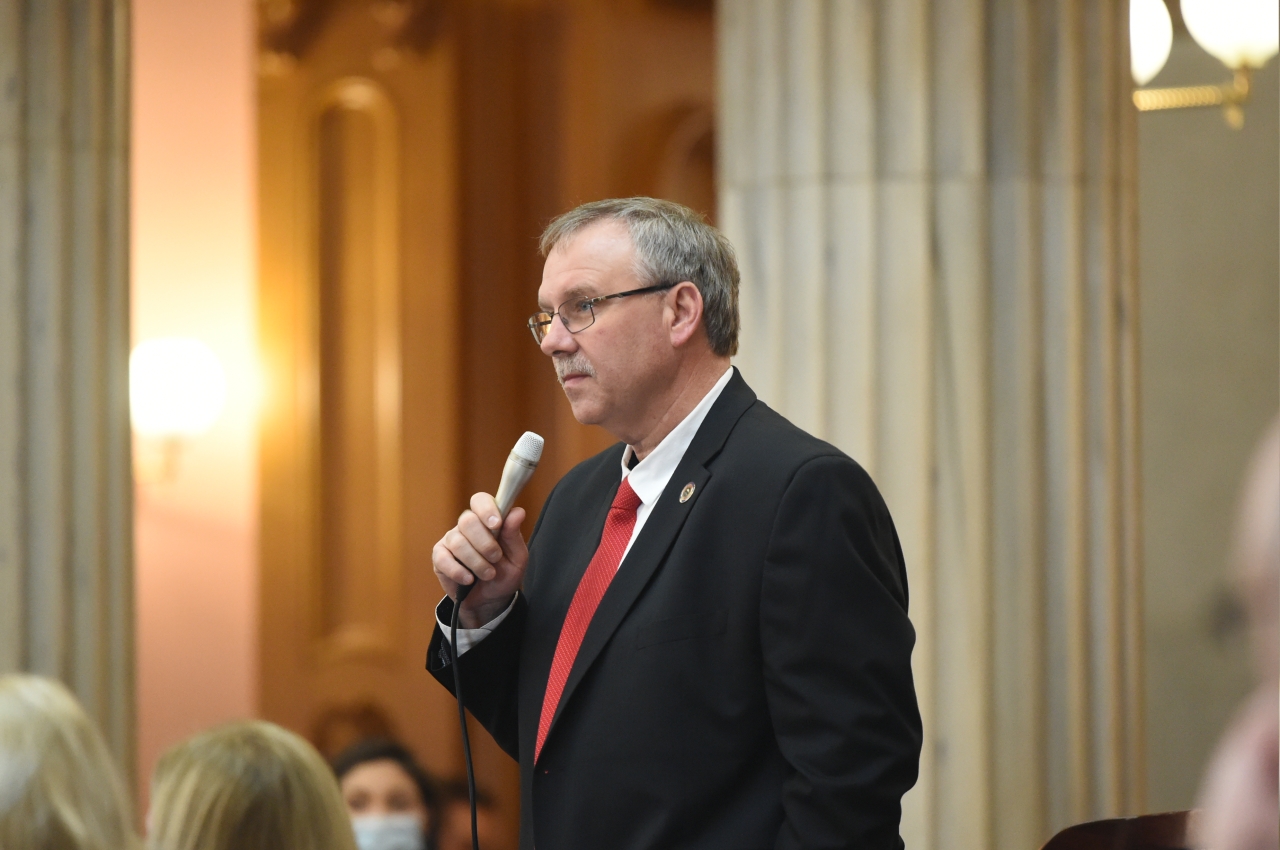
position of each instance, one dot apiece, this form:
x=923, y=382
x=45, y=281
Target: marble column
x=933, y=204
x=66, y=595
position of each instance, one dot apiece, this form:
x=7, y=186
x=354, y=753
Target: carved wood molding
x=412, y=25
x=287, y=28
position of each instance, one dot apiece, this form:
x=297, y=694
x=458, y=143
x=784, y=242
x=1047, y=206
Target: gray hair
x=673, y=244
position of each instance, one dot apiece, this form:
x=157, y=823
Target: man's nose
x=558, y=339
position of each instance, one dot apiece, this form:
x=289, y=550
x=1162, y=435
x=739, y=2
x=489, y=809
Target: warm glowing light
x=1238, y=32
x=1150, y=38
x=177, y=387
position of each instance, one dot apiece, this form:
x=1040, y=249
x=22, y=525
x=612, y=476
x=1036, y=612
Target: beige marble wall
x=1210, y=367
x=66, y=596
x=933, y=204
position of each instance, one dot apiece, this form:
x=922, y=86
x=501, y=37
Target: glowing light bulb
x=1150, y=38
x=177, y=387
x=1238, y=33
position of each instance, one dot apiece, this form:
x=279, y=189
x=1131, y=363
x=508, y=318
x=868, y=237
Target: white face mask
x=388, y=832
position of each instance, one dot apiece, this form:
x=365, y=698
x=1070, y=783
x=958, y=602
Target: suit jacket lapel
x=659, y=532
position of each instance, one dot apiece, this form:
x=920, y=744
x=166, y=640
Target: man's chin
x=585, y=409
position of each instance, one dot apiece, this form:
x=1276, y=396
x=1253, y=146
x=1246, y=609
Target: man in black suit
x=705, y=643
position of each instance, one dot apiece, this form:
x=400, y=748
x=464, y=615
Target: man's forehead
x=581, y=263
x=582, y=288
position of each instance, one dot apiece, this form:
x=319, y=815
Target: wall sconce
x=177, y=389
x=1242, y=34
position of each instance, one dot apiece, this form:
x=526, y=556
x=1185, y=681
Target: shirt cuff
x=468, y=638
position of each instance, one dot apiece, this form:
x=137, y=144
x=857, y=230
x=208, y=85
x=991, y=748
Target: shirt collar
x=650, y=476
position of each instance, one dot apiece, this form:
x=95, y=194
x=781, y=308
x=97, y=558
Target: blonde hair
x=246, y=786
x=59, y=788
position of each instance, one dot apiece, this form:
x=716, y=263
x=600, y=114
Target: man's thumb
x=511, y=528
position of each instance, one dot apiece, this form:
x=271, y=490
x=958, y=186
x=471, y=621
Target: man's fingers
x=450, y=572
x=461, y=547
x=480, y=538
x=485, y=507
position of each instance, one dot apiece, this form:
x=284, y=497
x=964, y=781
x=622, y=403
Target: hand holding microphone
x=482, y=559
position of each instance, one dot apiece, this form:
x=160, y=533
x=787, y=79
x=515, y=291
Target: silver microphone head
x=520, y=465
x=528, y=447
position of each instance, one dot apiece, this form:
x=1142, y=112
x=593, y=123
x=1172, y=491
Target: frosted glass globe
x=1150, y=38
x=177, y=387
x=1236, y=32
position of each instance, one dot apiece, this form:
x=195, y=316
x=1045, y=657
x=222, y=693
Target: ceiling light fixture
x=1242, y=34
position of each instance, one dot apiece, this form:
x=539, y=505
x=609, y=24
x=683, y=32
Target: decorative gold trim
x=286, y=29
x=1230, y=96
x=411, y=27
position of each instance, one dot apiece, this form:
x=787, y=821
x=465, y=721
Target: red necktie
x=595, y=581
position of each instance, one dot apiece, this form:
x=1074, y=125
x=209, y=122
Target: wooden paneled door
x=358, y=313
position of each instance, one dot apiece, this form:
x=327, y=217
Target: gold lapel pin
x=687, y=493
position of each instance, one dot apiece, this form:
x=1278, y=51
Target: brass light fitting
x=1230, y=96
x=1241, y=34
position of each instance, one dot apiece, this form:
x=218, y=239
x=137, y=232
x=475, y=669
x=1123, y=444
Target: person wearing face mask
x=391, y=799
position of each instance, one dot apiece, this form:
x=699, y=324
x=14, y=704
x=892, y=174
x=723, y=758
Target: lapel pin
x=687, y=493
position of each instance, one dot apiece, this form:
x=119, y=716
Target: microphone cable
x=520, y=465
x=461, y=594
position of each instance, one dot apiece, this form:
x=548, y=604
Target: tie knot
x=626, y=498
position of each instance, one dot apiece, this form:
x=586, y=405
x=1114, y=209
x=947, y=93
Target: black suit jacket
x=746, y=680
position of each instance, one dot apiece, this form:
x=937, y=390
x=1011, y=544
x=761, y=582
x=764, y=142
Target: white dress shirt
x=648, y=478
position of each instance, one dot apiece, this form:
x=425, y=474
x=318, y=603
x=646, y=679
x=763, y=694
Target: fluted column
x=933, y=205
x=66, y=595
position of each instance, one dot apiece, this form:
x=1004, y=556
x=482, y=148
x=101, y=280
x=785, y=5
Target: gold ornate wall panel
x=357, y=319
x=686, y=164
x=672, y=154
x=359, y=564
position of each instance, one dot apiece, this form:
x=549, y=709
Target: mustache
x=573, y=364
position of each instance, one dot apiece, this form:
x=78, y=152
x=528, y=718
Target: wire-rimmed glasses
x=578, y=313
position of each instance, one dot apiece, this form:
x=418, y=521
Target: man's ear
x=684, y=312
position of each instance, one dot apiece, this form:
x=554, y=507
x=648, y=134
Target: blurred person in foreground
x=392, y=801
x=1239, y=797
x=59, y=787
x=246, y=786
x=705, y=642
x=455, y=823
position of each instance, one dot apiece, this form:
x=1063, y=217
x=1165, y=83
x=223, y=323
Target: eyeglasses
x=579, y=313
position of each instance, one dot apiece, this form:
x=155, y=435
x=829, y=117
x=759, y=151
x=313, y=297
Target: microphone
x=520, y=465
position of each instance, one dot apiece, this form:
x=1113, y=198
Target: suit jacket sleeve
x=491, y=668
x=489, y=674
x=837, y=644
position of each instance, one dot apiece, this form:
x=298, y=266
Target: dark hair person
x=392, y=801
